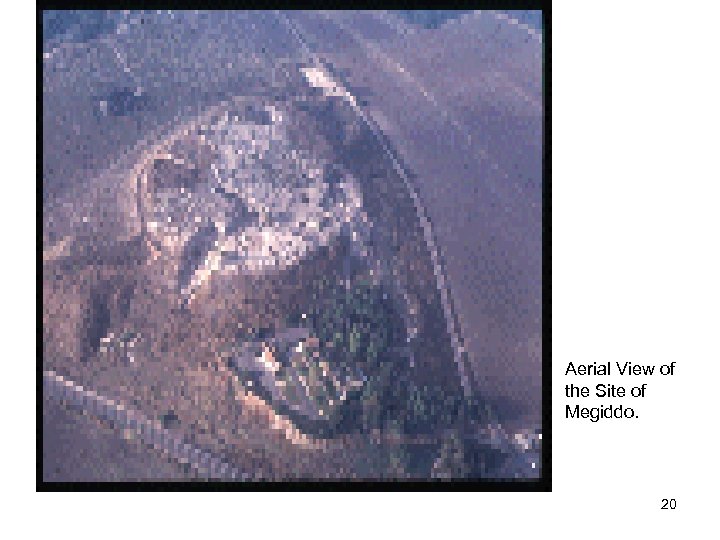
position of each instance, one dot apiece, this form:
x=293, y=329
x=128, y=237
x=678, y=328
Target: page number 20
x=668, y=504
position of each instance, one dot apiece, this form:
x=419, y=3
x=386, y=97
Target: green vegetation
x=356, y=325
x=359, y=331
x=451, y=461
x=361, y=336
x=428, y=407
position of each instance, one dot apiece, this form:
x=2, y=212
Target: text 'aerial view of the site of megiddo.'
x=291, y=246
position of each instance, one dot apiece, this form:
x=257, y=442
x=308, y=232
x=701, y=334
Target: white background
x=635, y=128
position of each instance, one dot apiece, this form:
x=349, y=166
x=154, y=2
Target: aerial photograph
x=291, y=248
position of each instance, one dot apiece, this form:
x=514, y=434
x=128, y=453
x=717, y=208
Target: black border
x=542, y=484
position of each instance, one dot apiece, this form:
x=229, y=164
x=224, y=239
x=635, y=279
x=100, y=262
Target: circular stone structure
x=238, y=196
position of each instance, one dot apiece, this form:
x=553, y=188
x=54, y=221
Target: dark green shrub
x=356, y=325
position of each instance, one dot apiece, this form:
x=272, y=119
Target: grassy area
x=356, y=325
